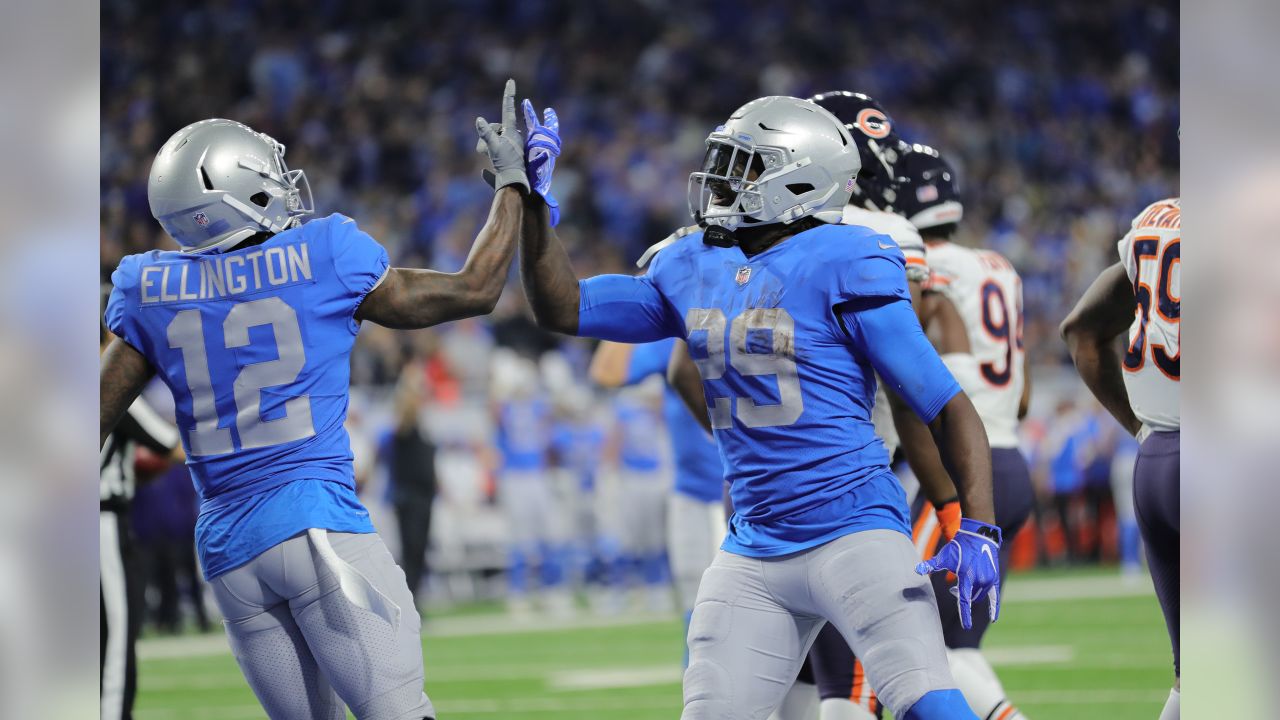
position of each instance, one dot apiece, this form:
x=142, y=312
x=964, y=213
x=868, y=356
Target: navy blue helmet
x=928, y=193
x=878, y=145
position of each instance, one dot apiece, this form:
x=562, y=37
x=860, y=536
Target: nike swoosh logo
x=986, y=550
x=890, y=246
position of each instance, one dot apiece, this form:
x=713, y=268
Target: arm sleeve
x=623, y=308
x=648, y=359
x=887, y=332
x=360, y=262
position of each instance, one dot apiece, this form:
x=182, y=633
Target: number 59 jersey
x=987, y=293
x=1151, y=253
x=255, y=345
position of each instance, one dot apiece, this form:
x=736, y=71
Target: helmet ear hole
x=261, y=199
x=799, y=188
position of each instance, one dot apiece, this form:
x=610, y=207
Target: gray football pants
x=306, y=650
x=755, y=619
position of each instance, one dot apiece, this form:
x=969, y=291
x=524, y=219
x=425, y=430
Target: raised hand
x=974, y=556
x=504, y=144
x=541, y=150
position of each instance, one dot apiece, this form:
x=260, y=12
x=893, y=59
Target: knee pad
x=940, y=705
x=706, y=691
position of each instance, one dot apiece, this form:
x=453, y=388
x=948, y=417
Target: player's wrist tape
x=990, y=533
x=941, y=504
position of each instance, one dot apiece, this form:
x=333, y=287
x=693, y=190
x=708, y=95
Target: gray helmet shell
x=803, y=159
x=217, y=182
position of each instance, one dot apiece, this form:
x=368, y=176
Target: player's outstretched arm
x=422, y=298
x=683, y=376
x=125, y=371
x=1091, y=329
x=545, y=271
x=409, y=299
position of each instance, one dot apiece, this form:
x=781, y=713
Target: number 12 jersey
x=255, y=345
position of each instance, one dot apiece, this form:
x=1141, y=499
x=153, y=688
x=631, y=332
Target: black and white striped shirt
x=142, y=425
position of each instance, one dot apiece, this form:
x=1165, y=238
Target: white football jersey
x=1152, y=256
x=987, y=292
x=912, y=245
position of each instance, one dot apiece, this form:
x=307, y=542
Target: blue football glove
x=974, y=556
x=540, y=151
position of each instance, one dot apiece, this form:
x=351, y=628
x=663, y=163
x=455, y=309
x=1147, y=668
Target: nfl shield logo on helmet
x=744, y=274
x=201, y=219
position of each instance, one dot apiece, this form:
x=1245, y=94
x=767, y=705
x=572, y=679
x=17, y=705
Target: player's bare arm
x=609, y=364
x=124, y=373
x=545, y=271
x=683, y=376
x=959, y=430
x=1024, y=402
x=1103, y=313
x=409, y=298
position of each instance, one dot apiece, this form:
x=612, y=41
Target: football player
x=787, y=314
x=523, y=416
x=695, y=513
x=1143, y=292
x=841, y=680
x=251, y=326
x=979, y=336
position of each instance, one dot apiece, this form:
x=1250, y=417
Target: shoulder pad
x=662, y=244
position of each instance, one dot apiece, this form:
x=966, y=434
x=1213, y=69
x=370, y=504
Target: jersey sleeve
x=649, y=359
x=624, y=308
x=888, y=334
x=121, y=305
x=871, y=266
x=360, y=262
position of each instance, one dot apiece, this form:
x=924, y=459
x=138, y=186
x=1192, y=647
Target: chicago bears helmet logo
x=744, y=274
x=873, y=123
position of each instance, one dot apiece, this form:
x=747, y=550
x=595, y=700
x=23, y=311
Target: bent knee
x=707, y=689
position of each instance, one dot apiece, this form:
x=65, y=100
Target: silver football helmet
x=217, y=182
x=776, y=160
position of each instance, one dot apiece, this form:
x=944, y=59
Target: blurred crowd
x=1060, y=117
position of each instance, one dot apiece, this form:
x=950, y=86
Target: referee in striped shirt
x=120, y=593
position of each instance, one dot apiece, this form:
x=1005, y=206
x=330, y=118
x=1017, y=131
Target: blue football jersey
x=580, y=448
x=255, y=346
x=698, y=470
x=638, y=422
x=789, y=380
x=524, y=434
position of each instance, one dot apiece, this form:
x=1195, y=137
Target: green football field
x=1068, y=645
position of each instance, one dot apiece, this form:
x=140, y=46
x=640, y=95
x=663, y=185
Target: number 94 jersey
x=1151, y=253
x=255, y=345
x=987, y=293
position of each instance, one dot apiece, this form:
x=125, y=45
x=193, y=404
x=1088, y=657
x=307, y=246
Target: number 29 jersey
x=987, y=293
x=789, y=390
x=255, y=346
x=1151, y=253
